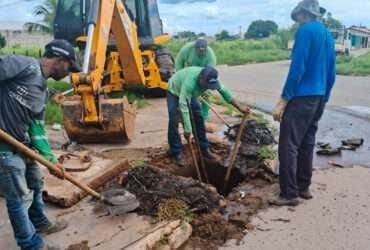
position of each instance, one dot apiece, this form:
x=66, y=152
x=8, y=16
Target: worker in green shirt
x=185, y=87
x=197, y=53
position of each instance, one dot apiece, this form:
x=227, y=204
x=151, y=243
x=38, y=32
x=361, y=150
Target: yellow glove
x=279, y=110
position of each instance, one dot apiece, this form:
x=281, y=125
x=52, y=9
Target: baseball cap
x=63, y=48
x=201, y=43
x=211, y=76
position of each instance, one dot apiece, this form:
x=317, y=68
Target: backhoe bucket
x=118, y=123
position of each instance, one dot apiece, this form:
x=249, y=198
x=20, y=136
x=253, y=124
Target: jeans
x=174, y=116
x=21, y=183
x=297, y=142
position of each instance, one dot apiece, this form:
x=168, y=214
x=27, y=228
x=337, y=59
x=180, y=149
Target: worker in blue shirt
x=307, y=89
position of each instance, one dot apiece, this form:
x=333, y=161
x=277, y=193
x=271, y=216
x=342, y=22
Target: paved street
x=263, y=83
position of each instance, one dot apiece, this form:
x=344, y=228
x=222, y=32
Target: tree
x=47, y=12
x=261, y=29
x=187, y=35
x=202, y=34
x=223, y=35
x=332, y=23
x=2, y=41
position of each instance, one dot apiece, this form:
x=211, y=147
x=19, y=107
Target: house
x=359, y=37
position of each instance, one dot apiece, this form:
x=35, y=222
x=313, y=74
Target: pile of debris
x=165, y=194
x=212, y=230
x=153, y=186
x=349, y=144
x=257, y=135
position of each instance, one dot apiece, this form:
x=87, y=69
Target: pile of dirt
x=163, y=191
x=84, y=245
x=152, y=186
x=213, y=230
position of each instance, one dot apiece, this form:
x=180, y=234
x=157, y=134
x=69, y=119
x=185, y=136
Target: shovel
x=235, y=151
x=111, y=201
x=196, y=138
x=215, y=112
x=194, y=159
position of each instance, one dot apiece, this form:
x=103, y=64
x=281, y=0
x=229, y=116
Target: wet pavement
x=337, y=124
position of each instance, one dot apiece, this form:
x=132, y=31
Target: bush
x=357, y=66
x=2, y=41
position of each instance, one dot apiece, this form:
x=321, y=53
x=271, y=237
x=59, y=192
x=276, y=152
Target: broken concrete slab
x=65, y=194
x=102, y=231
x=168, y=235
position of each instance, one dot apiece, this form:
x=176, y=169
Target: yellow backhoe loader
x=120, y=42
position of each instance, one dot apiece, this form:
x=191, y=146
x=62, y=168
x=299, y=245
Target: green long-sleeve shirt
x=39, y=140
x=188, y=57
x=185, y=85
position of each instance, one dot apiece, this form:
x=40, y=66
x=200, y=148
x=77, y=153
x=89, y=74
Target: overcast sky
x=211, y=16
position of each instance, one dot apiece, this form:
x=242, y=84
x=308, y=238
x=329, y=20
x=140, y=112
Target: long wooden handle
x=194, y=158
x=214, y=111
x=235, y=151
x=31, y=154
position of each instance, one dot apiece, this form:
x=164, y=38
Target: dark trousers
x=174, y=117
x=296, y=144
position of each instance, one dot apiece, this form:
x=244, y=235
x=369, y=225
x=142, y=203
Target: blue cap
x=211, y=76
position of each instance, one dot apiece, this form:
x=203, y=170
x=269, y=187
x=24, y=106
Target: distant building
x=348, y=39
x=359, y=37
x=16, y=35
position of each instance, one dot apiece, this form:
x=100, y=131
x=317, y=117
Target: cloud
x=211, y=16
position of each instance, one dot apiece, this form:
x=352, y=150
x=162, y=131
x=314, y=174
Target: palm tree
x=46, y=11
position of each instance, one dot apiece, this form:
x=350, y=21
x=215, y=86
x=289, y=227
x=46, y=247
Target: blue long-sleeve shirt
x=313, y=70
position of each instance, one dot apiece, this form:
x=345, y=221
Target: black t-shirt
x=23, y=94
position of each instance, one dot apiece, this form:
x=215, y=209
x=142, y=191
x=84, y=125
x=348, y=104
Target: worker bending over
x=184, y=88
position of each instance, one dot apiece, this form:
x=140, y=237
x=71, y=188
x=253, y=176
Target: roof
x=360, y=30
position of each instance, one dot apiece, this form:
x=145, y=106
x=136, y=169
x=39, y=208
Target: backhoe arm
x=106, y=17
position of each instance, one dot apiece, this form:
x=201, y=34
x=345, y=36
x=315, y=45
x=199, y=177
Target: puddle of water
x=336, y=126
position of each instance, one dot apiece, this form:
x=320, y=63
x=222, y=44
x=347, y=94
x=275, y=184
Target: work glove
x=279, y=110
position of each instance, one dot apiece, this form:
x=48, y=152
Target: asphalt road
x=263, y=83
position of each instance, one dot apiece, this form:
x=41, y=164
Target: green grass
x=266, y=153
x=240, y=52
x=356, y=66
x=54, y=113
x=26, y=51
x=230, y=110
x=260, y=118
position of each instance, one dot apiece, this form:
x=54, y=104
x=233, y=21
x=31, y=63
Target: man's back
x=312, y=70
x=23, y=94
